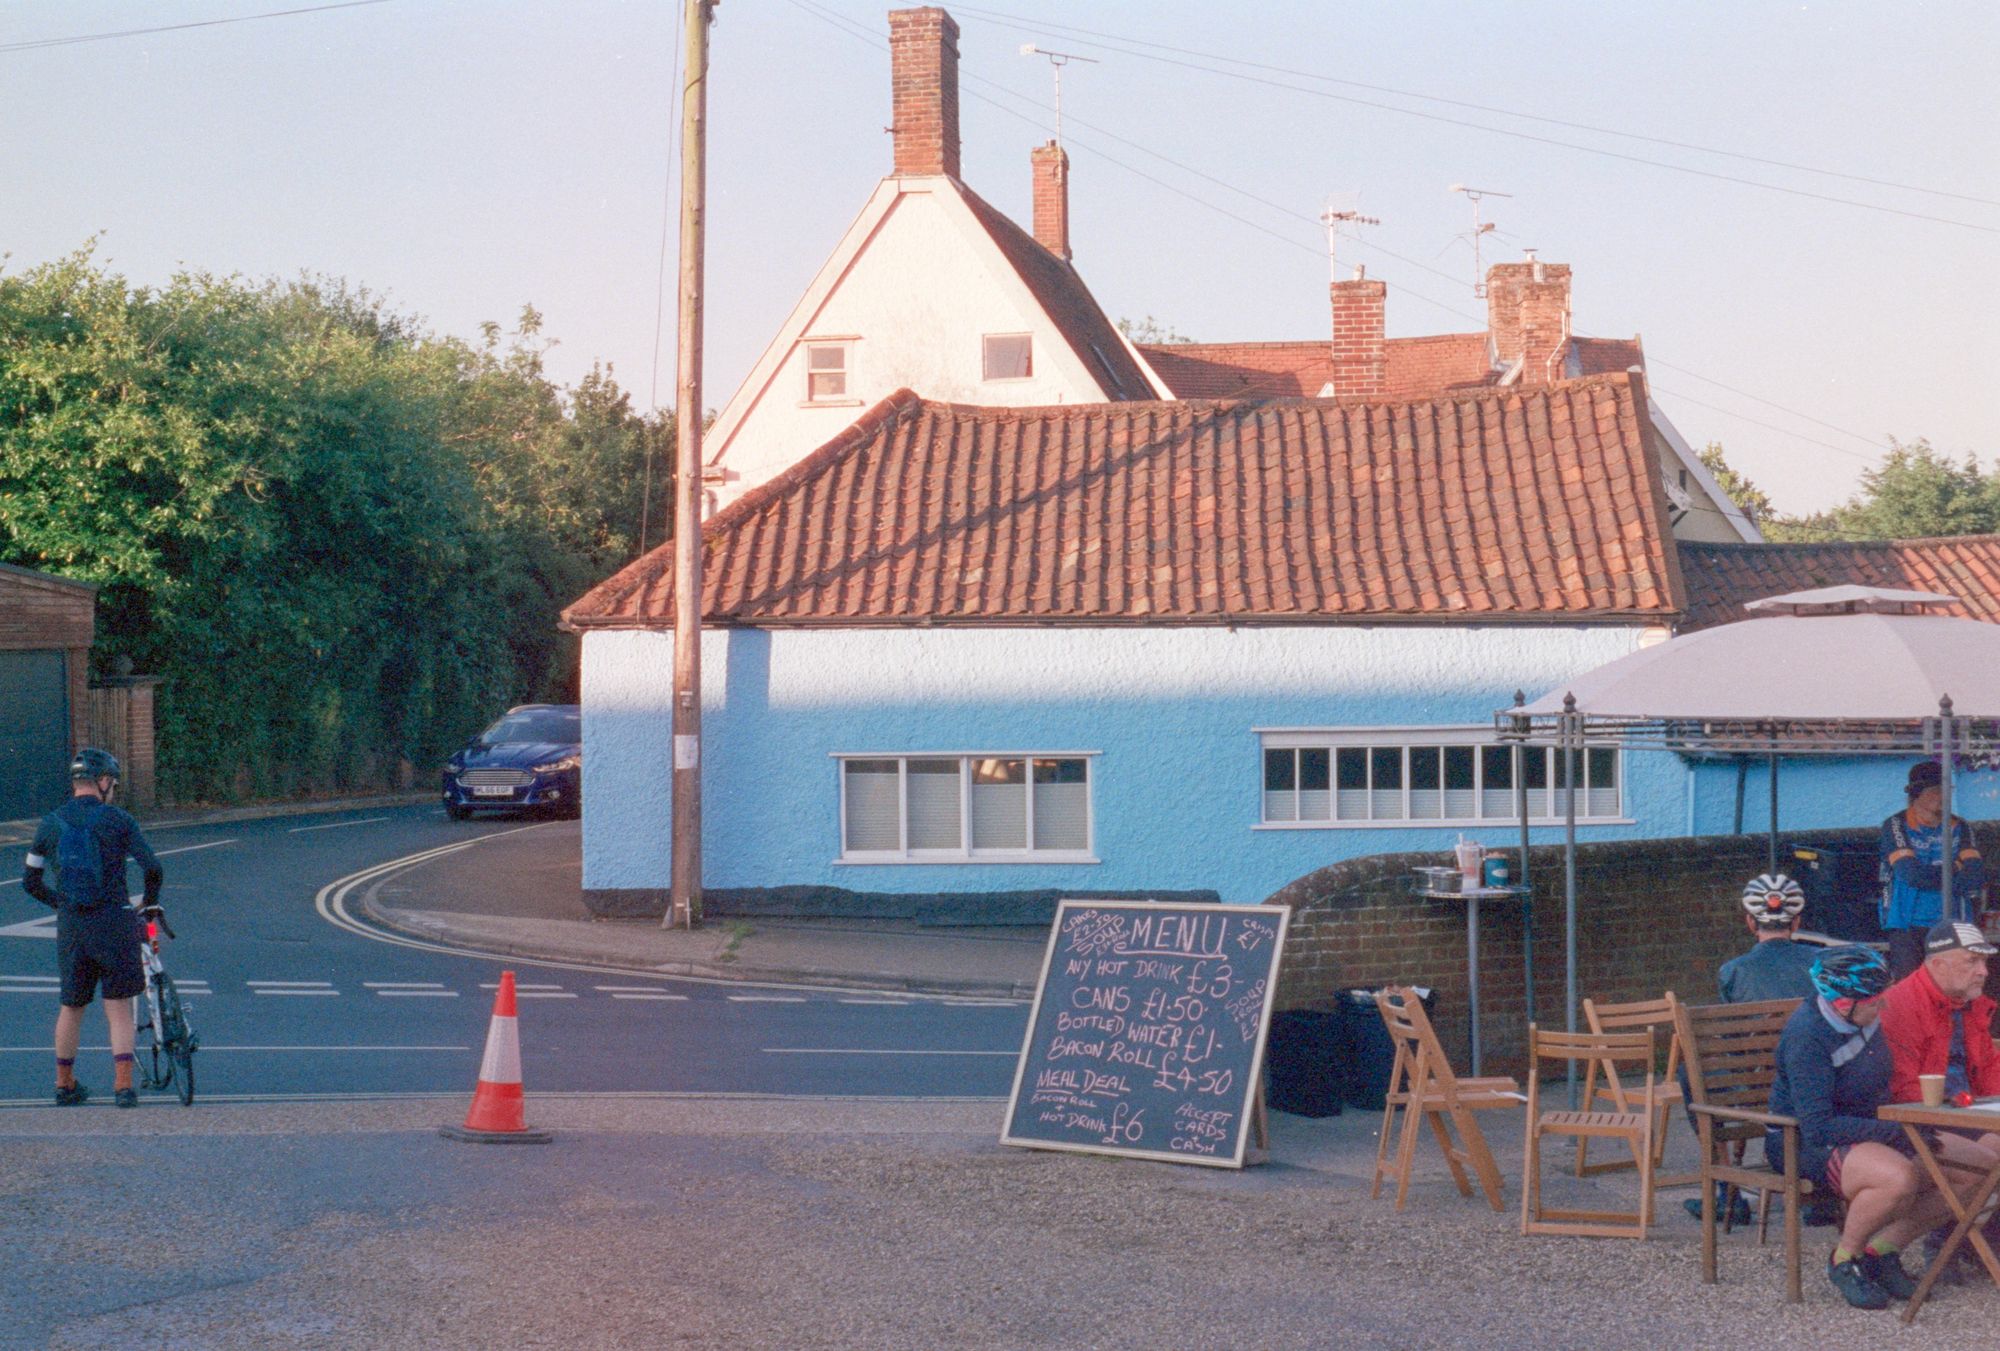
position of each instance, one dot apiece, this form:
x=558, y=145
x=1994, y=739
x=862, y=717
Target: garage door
x=34, y=734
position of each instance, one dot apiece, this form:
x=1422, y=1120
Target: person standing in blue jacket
x=1913, y=845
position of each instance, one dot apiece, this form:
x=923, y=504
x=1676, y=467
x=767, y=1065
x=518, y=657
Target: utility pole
x=685, y=909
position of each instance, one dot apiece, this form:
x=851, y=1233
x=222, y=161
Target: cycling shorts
x=97, y=947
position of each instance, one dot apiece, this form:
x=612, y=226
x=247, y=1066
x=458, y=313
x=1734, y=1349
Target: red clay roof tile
x=1722, y=577
x=1225, y=512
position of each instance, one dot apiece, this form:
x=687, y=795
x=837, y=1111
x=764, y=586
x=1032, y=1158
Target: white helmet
x=1773, y=900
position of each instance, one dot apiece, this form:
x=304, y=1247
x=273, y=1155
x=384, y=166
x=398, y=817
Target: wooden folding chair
x=1634, y=1125
x=1423, y=1087
x=1602, y=1084
x=1732, y=1060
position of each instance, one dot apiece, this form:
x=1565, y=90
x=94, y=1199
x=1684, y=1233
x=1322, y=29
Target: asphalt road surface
x=287, y=1001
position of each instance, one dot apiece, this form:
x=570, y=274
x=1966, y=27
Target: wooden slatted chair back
x=1732, y=1055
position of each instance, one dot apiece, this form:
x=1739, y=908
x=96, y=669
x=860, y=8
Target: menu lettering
x=1147, y=1035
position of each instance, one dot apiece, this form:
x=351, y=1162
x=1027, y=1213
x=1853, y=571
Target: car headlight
x=558, y=766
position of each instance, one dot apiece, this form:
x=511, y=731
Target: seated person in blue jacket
x=1913, y=843
x=1779, y=966
x=1833, y=1072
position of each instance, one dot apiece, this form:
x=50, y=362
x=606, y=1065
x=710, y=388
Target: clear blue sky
x=466, y=156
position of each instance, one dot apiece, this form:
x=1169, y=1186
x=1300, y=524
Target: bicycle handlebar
x=168, y=927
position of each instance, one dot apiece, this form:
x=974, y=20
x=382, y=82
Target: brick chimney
x=1360, y=345
x=1051, y=169
x=1527, y=317
x=923, y=60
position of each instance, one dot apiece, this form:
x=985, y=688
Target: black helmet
x=1852, y=972
x=94, y=764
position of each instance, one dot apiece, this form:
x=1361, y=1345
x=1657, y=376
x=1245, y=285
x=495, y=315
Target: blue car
x=532, y=759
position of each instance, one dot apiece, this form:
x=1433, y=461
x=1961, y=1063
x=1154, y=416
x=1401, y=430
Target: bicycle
x=166, y=1039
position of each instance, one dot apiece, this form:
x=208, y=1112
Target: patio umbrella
x=1821, y=671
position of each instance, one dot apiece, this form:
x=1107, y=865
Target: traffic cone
x=496, y=1117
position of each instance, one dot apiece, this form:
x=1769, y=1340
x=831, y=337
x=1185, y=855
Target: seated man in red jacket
x=1938, y=1020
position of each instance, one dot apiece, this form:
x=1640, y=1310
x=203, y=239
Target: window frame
x=845, y=346
x=985, y=365
x=1371, y=740
x=967, y=852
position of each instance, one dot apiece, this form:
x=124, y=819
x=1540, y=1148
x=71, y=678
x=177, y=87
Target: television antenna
x=1480, y=229
x=1058, y=60
x=1333, y=219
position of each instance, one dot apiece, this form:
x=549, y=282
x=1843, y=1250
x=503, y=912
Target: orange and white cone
x=496, y=1115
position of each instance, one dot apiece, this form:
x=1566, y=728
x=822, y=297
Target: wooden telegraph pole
x=685, y=910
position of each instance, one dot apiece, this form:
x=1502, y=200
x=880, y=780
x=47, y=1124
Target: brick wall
x=1360, y=342
x=1652, y=915
x=923, y=60
x=1527, y=315
x=1051, y=215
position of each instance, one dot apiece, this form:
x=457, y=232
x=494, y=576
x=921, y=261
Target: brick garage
x=47, y=625
x=1652, y=915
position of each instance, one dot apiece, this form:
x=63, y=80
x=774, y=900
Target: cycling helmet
x=1851, y=972
x=94, y=764
x=1773, y=900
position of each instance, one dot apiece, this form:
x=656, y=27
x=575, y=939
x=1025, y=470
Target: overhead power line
x=1005, y=19
x=70, y=41
x=1207, y=66
x=862, y=34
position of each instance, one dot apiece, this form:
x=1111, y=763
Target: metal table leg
x=1472, y=974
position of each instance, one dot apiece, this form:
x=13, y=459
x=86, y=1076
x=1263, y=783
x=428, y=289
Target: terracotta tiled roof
x=1504, y=504
x=1721, y=577
x=1416, y=368
x=1068, y=303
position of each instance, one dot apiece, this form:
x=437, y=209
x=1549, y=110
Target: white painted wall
x=923, y=285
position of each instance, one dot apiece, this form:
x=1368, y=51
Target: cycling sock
x=65, y=1072
x=122, y=1070
x=1882, y=1248
x=1842, y=1255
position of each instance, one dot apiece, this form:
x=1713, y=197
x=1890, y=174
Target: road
x=289, y=1002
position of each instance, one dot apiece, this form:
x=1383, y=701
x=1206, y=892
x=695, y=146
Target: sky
x=463, y=158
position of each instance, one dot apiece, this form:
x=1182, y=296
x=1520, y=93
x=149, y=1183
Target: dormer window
x=826, y=372
x=1007, y=356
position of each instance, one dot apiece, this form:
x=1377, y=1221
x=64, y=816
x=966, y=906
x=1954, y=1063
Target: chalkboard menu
x=1147, y=1036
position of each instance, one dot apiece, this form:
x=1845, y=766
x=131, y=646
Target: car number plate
x=484, y=791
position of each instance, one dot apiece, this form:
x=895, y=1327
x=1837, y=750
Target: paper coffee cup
x=1932, y=1086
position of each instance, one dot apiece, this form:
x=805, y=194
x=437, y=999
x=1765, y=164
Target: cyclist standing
x=97, y=932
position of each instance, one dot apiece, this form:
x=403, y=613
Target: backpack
x=80, y=859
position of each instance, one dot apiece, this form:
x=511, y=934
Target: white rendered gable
x=912, y=288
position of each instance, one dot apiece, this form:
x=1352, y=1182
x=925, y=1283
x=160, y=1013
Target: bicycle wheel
x=176, y=1040
x=150, y=1047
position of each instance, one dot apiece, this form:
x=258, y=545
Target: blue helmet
x=1851, y=972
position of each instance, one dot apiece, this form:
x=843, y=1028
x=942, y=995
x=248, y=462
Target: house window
x=966, y=808
x=1427, y=776
x=826, y=372
x=1007, y=356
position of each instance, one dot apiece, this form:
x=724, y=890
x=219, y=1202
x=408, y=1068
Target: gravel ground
x=729, y=1223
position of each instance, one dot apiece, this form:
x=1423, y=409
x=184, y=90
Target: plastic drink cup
x=1932, y=1086
x=1470, y=855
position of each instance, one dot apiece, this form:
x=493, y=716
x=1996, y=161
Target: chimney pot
x=923, y=62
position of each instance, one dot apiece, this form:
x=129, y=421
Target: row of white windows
x=1030, y=806
x=1002, y=356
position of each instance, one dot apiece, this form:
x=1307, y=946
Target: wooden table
x=1913, y=1117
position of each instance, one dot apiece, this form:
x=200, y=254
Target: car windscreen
x=548, y=725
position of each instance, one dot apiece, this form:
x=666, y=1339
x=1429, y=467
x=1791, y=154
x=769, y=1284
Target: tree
x=1914, y=493
x=1751, y=499
x=341, y=540
x=1151, y=330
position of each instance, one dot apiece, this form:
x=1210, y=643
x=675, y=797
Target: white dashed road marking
x=291, y=987
x=767, y=999
x=337, y=825
x=417, y=994
x=403, y=984
x=892, y=1003
x=624, y=994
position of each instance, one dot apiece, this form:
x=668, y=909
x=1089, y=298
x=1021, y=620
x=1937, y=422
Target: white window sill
x=1006, y=379
x=959, y=860
x=1489, y=823
x=830, y=403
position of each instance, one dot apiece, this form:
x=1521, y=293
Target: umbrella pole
x=1946, y=910
x=1528, y=889
x=1771, y=853
x=1571, y=730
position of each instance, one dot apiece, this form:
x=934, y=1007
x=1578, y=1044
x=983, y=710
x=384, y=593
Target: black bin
x=1307, y=1057
x=1371, y=1055
x=1843, y=890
